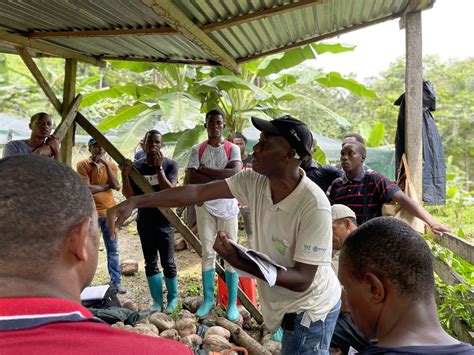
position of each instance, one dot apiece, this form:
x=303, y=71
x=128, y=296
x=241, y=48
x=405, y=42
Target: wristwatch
x=160, y=168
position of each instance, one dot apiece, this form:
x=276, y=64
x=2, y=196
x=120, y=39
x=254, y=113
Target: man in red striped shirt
x=365, y=192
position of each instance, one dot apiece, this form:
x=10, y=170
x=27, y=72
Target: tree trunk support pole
x=141, y=182
x=414, y=99
x=69, y=92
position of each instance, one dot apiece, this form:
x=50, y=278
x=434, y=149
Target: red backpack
x=227, y=148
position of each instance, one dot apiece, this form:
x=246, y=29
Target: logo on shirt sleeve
x=313, y=248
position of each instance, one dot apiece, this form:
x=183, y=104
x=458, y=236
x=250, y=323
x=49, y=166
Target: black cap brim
x=265, y=126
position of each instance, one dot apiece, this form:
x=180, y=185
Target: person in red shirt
x=48, y=255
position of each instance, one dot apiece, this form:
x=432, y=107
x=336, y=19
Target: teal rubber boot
x=208, y=289
x=278, y=335
x=172, y=296
x=155, y=283
x=232, y=283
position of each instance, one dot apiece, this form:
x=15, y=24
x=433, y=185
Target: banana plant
x=180, y=94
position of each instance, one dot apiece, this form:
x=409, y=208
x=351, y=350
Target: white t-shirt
x=216, y=158
x=298, y=228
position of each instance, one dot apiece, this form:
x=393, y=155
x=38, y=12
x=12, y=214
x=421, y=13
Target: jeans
x=315, y=339
x=156, y=239
x=112, y=248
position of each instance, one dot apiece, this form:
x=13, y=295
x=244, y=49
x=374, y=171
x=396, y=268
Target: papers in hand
x=94, y=292
x=267, y=266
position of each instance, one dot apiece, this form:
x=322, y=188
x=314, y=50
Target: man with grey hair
x=48, y=254
x=346, y=334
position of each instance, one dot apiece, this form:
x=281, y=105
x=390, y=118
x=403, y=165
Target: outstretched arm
x=416, y=210
x=173, y=197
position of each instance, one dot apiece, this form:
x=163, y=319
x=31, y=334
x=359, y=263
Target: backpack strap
x=202, y=148
x=227, y=149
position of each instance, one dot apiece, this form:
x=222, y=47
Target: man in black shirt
x=156, y=232
x=321, y=175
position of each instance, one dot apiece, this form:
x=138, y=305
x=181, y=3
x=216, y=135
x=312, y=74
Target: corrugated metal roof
x=237, y=26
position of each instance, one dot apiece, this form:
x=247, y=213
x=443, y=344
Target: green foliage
x=376, y=135
x=459, y=209
x=455, y=303
x=292, y=57
x=319, y=155
x=185, y=140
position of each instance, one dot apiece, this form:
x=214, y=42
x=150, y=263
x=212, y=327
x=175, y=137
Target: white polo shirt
x=298, y=228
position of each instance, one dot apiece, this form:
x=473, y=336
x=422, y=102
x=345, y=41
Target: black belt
x=288, y=322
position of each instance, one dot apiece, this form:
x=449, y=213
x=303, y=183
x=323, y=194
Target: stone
x=129, y=267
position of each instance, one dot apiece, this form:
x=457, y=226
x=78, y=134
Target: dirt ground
x=187, y=261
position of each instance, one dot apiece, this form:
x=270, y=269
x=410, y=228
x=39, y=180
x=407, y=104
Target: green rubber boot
x=172, y=297
x=155, y=283
x=232, y=283
x=208, y=288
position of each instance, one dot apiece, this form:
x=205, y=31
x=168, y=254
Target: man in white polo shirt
x=292, y=219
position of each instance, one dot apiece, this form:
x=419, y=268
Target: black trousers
x=156, y=240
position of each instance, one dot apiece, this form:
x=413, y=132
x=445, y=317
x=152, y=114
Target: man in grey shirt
x=40, y=142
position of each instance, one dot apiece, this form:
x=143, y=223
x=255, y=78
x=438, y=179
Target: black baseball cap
x=296, y=133
x=92, y=141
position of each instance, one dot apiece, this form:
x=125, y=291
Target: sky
x=447, y=30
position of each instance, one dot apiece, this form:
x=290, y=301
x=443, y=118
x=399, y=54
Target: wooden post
x=70, y=71
x=414, y=99
x=134, y=175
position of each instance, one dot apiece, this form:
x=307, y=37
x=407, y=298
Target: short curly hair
x=392, y=250
x=41, y=201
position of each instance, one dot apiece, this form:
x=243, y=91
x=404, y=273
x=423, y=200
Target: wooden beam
x=414, y=99
x=40, y=46
x=257, y=15
x=261, y=14
x=62, y=129
x=320, y=37
x=179, y=21
x=141, y=182
x=34, y=70
x=170, y=215
x=102, y=33
x=70, y=73
x=458, y=246
x=157, y=60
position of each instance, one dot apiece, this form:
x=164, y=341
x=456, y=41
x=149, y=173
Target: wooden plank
x=49, y=48
x=320, y=38
x=458, y=246
x=34, y=70
x=257, y=15
x=157, y=60
x=448, y=275
x=462, y=330
x=413, y=99
x=102, y=33
x=179, y=21
x=177, y=222
x=63, y=127
x=261, y=14
x=69, y=91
